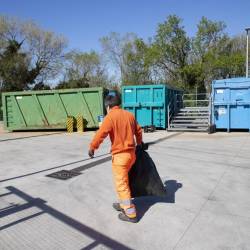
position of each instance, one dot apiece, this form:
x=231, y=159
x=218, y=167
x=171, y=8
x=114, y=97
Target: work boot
x=124, y=217
x=117, y=207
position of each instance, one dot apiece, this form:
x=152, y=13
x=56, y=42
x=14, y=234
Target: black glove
x=91, y=153
x=143, y=146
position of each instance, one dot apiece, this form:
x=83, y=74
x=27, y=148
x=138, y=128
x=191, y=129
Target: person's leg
x=121, y=164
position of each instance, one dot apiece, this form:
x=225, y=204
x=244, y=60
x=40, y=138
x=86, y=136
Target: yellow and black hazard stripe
x=79, y=123
x=70, y=124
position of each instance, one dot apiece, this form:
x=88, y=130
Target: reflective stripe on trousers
x=128, y=207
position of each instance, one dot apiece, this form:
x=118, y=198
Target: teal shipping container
x=149, y=103
x=49, y=109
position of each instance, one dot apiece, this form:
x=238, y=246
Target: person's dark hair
x=112, y=100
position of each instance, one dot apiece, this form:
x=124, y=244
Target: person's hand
x=91, y=153
x=144, y=146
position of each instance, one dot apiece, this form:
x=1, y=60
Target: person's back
x=122, y=127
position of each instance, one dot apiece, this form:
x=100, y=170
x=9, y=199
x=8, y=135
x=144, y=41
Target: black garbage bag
x=144, y=179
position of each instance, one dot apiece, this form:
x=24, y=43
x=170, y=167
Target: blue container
x=231, y=103
x=148, y=103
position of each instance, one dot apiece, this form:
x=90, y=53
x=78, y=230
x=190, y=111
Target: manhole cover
x=64, y=174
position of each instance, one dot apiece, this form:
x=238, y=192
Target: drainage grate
x=64, y=174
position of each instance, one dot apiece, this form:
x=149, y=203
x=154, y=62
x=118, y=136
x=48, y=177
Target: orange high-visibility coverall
x=121, y=127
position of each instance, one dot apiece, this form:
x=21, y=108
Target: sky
x=84, y=22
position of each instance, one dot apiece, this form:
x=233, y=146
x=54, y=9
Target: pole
x=196, y=95
x=247, y=53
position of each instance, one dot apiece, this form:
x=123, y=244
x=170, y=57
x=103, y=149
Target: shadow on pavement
x=97, y=237
x=92, y=164
x=86, y=166
x=143, y=204
x=30, y=136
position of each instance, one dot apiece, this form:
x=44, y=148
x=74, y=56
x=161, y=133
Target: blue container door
x=134, y=101
x=158, y=109
x=143, y=116
x=159, y=117
x=239, y=110
x=129, y=97
x=240, y=117
x=221, y=116
x=221, y=95
x=144, y=111
x=129, y=100
x=143, y=95
x=239, y=95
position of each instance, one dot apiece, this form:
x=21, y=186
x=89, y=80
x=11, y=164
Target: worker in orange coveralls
x=121, y=127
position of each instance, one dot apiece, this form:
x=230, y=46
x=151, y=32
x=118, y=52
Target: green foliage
x=14, y=68
x=171, y=47
x=71, y=84
x=209, y=35
x=171, y=43
x=83, y=70
x=41, y=86
x=216, y=54
x=181, y=61
x=138, y=64
x=28, y=54
x=117, y=50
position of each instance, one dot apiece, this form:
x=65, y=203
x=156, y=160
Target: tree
x=14, y=72
x=236, y=56
x=210, y=34
x=138, y=64
x=34, y=55
x=170, y=50
x=83, y=70
x=46, y=50
x=41, y=86
x=214, y=55
x=116, y=49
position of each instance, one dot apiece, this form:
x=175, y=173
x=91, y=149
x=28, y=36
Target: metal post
x=196, y=95
x=247, y=53
x=168, y=116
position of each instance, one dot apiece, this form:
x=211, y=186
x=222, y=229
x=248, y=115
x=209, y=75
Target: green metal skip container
x=49, y=109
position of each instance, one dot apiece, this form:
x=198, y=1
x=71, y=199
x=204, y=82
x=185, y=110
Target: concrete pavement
x=207, y=178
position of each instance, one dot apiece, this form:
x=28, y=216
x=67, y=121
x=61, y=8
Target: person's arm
x=101, y=134
x=138, y=133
